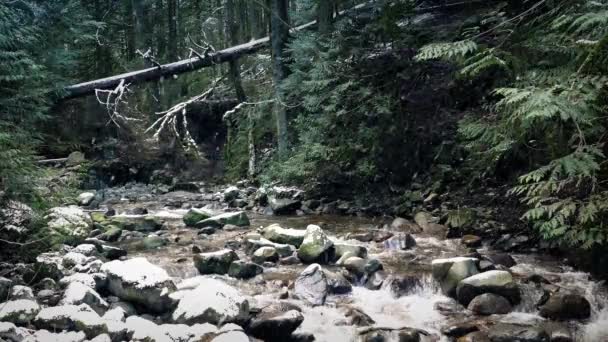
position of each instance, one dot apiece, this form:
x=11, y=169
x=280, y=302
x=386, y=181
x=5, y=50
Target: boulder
x=374, y=334
x=400, y=242
x=284, y=250
x=47, y=336
x=86, y=198
x=505, y=332
x=215, y=262
x=75, y=158
x=490, y=304
x=244, y=270
x=338, y=284
x=449, y=272
x=77, y=293
x=212, y=301
x=113, y=253
x=355, y=265
x=82, y=278
x=340, y=249
x=47, y=265
x=471, y=241
x=21, y=292
x=70, y=223
x=11, y=333
x=566, y=306
x=152, y=242
x=278, y=234
x=403, y=285
x=311, y=285
x=269, y=325
x=138, y=281
x=238, y=218
x=496, y=282
x=71, y=318
x=72, y=259
x=283, y=206
x=316, y=246
x=264, y=254
x=193, y=216
x=231, y=193
x=143, y=330
x=355, y=316
x=112, y=234
x=86, y=249
x=20, y=311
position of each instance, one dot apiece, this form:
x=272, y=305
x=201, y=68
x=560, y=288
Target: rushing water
x=423, y=307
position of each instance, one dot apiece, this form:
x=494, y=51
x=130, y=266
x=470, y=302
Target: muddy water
x=424, y=307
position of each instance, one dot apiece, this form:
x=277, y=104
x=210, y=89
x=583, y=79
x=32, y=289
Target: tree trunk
x=279, y=35
x=233, y=32
x=325, y=15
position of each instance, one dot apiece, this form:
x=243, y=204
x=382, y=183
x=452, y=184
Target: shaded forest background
x=388, y=104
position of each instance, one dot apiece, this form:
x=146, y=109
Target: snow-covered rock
x=71, y=318
x=212, y=301
x=86, y=249
x=21, y=292
x=143, y=330
x=12, y=333
x=76, y=293
x=73, y=259
x=70, y=222
x=86, y=198
x=20, y=311
x=138, y=281
x=47, y=336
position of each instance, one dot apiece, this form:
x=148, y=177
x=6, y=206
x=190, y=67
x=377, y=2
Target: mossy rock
x=193, y=216
x=139, y=223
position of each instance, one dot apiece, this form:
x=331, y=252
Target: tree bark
x=325, y=16
x=233, y=32
x=279, y=35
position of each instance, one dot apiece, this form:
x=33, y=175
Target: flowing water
x=423, y=307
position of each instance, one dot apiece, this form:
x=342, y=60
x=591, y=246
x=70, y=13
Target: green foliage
x=548, y=117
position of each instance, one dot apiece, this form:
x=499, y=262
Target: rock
x=340, y=249
x=231, y=336
x=501, y=259
x=239, y=219
x=12, y=333
x=496, y=282
x=372, y=265
x=211, y=302
x=449, y=272
x=143, y=330
x=215, y=262
x=403, y=285
x=21, y=292
x=357, y=317
x=47, y=336
x=400, y=242
x=82, y=278
x=193, y=216
x=244, y=270
x=231, y=193
x=86, y=249
x=144, y=224
x=504, y=332
x=355, y=265
x=77, y=293
x=374, y=281
x=337, y=283
x=48, y=297
x=44, y=284
x=207, y=231
x=278, y=234
x=316, y=246
x=402, y=225
x=276, y=322
x=424, y=220
x=75, y=158
x=264, y=254
x=5, y=288
x=379, y=334
x=71, y=318
x=48, y=265
x=72, y=259
x=86, y=198
x=476, y=336
x=102, y=338
x=70, y=223
x=283, y=206
x=566, y=306
x=138, y=281
x=471, y=241
x=20, y=311
x=311, y=285
x=113, y=253
x=363, y=237
x=490, y=304
x=459, y=329
x=112, y=234
x=284, y=250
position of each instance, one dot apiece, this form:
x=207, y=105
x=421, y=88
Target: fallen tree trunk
x=198, y=62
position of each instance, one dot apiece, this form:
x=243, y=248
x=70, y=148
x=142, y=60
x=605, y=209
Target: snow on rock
x=21, y=292
x=72, y=259
x=71, y=222
x=143, y=330
x=47, y=336
x=77, y=293
x=85, y=249
x=82, y=278
x=10, y=332
x=71, y=318
x=212, y=301
x=20, y=311
x=139, y=281
x=86, y=198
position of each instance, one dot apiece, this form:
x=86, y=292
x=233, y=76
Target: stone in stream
x=212, y=301
x=316, y=246
x=113, y=253
x=476, y=336
x=278, y=234
x=276, y=322
x=144, y=224
x=401, y=285
x=244, y=270
x=215, y=262
x=449, y=272
x=193, y=216
x=71, y=318
x=490, y=304
x=505, y=332
x=503, y=259
x=377, y=334
x=138, y=281
x=496, y=282
x=238, y=218
x=355, y=265
x=283, y=206
x=355, y=316
x=566, y=306
x=471, y=241
x=340, y=249
x=311, y=285
x=264, y=254
x=20, y=311
x=400, y=242
x=402, y=225
x=70, y=223
x=338, y=284
x=77, y=293
x=284, y=250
